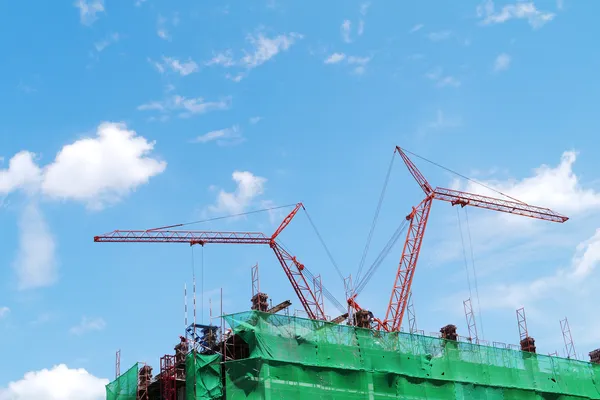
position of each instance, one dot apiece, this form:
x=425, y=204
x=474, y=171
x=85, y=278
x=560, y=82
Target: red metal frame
x=408, y=263
x=418, y=223
x=168, y=382
x=291, y=266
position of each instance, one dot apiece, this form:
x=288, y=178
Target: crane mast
x=418, y=223
x=291, y=266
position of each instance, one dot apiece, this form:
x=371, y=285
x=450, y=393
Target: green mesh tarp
x=203, y=377
x=125, y=386
x=294, y=358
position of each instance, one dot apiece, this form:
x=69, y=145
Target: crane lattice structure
x=293, y=269
x=418, y=218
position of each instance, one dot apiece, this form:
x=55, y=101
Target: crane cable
x=375, y=217
x=381, y=257
x=463, y=176
x=310, y=275
x=324, y=246
x=474, y=275
x=222, y=217
x=464, y=253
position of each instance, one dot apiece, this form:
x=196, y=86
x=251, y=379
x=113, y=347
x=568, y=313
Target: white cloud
x=4, y=312
x=96, y=171
x=248, y=188
x=442, y=80
x=265, y=48
x=22, y=173
x=162, y=23
x=110, y=39
x=360, y=63
x=345, y=29
x=103, y=169
x=416, y=28
x=88, y=325
x=335, y=58
x=88, y=10
x=443, y=121
x=361, y=27
x=439, y=36
x=255, y=120
x=223, y=137
x=559, y=4
x=364, y=7
x=502, y=62
x=35, y=263
x=138, y=3
x=57, y=383
x=224, y=59
x=183, y=68
x=185, y=106
x=519, y=10
x=557, y=188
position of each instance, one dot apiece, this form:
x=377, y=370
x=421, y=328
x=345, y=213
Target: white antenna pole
x=194, y=284
x=185, y=312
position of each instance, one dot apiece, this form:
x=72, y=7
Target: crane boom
x=291, y=266
x=418, y=222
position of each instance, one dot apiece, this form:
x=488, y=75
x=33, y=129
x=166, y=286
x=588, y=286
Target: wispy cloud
x=442, y=80
x=224, y=59
x=89, y=10
x=4, y=312
x=255, y=120
x=183, y=68
x=442, y=121
x=35, y=264
x=502, y=62
x=163, y=25
x=520, y=10
x=345, y=30
x=439, y=36
x=223, y=137
x=335, y=58
x=185, y=107
x=88, y=325
x=359, y=63
x=265, y=48
x=416, y=28
x=104, y=43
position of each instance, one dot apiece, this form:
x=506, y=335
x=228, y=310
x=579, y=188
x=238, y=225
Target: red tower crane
x=291, y=266
x=418, y=222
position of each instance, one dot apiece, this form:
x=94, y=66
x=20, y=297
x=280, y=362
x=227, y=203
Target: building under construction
x=265, y=353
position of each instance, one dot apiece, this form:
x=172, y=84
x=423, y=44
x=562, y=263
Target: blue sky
x=136, y=114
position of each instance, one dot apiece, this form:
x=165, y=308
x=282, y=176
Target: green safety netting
x=295, y=358
x=125, y=387
x=203, y=377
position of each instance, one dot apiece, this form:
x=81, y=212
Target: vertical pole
x=118, y=364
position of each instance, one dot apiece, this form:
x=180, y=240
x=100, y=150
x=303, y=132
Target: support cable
x=202, y=287
x=310, y=275
x=327, y=293
x=381, y=257
x=221, y=217
x=464, y=253
x=463, y=176
x=325, y=246
x=474, y=275
x=375, y=218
